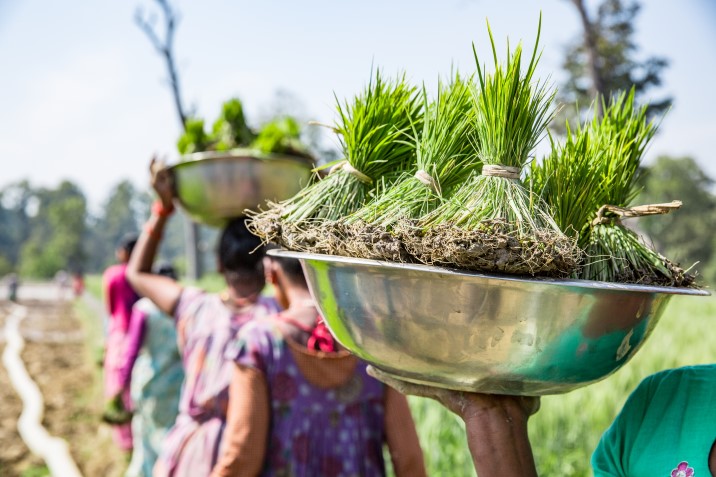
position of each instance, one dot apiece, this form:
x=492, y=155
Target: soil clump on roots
x=494, y=246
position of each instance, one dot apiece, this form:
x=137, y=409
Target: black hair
x=127, y=242
x=291, y=268
x=166, y=269
x=239, y=250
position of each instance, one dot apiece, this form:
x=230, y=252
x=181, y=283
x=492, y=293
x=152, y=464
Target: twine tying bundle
x=346, y=166
x=498, y=170
x=427, y=179
x=628, y=212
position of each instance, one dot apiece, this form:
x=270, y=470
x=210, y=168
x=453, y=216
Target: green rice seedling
x=615, y=253
x=568, y=180
x=373, y=130
x=492, y=223
x=230, y=130
x=598, y=166
x=281, y=136
x=445, y=157
x=194, y=138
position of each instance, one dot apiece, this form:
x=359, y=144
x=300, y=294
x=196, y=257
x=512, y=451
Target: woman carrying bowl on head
x=301, y=406
x=666, y=427
x=205, y=324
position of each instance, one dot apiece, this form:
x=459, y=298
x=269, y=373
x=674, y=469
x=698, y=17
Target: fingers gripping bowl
x=478, y=332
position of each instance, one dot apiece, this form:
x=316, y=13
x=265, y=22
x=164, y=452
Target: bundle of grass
x=590, y=179
x=570, y=180
x=281, y=135
x=373, y=130
x=492, y=223
x=445, y=157
x=614, y=252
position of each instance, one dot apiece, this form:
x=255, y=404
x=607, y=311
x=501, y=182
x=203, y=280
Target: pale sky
x=82, y=92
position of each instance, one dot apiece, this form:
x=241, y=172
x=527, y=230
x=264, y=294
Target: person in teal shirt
x=667, y=427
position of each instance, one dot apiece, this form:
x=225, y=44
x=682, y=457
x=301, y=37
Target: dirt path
x=58, y=357
x=15, y=457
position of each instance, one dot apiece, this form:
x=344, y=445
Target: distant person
x=62, y=280
x=12, y=285
x=78, y=283
x=120, y=298
x=299, y=406
x=206, y=323
x=152, y=369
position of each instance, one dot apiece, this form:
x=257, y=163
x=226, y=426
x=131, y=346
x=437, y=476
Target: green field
x=567, y=428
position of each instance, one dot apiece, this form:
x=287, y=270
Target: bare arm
x=243, y=446
x=402, y=438
x=163, y=291
x=497, y=437
x=496, y=425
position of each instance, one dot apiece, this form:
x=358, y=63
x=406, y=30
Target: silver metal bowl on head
x=478, y=332
x=213, y=187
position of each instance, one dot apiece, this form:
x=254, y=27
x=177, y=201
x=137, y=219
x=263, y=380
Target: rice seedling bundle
x=372, y=129
x=614, y=252
x=492, y=222
x=568, y=180
x=445, y=157
x=590, y=180
x=281, y=135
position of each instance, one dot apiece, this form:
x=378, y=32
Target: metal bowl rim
x=567, y=282
x=233, y=154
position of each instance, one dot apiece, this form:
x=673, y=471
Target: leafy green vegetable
x=230, y=129
x=194, y=138
x=281, y=136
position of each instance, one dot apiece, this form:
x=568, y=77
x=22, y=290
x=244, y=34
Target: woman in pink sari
x=119, y=297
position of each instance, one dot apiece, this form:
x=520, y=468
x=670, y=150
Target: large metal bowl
x=479, y=332
x=213, y=187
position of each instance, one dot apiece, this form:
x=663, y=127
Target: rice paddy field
x=567, y=428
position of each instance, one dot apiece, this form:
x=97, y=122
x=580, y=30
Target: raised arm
x=496, y=425
x=402, y=438
x=163, y=291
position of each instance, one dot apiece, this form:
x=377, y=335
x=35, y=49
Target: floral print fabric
x=205, y=327
x=336, y=432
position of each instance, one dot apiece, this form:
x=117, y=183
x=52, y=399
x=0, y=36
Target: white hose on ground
x=53, y=450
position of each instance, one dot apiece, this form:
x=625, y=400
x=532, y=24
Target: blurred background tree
x=605, y=61
x=15, y=200
x=57, y=232
x=686, y=235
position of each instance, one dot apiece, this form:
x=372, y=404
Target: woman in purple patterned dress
x=206, y=324
x=298, y=407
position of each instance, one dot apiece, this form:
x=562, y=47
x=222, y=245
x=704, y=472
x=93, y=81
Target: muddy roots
x=266, y=225
x=375, y=242
x=495, y=246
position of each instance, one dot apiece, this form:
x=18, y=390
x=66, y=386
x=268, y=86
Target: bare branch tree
x=590, y=43
x=165, y=48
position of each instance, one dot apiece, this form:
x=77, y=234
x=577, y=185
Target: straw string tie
x=618, y=213
x=427, y=179
x=498, y=170
x=346, y=166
